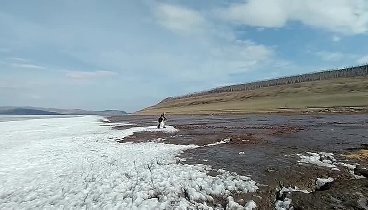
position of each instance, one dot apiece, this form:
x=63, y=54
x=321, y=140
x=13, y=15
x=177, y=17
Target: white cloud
x=363, y=60
x=179, y=19
x=345, y=16
x=331, y=56
x=89, y=75
x=21, y=63
x=241, y=56
x=262, y=13
x=214, y=51
x=27, y=66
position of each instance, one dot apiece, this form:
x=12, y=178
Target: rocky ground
x=284, y=154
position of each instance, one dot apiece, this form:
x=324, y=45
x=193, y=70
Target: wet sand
x=265, y=147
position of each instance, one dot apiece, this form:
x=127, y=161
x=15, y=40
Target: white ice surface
x=74, y=163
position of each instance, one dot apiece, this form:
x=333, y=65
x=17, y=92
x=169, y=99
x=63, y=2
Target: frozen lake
x=75, y=163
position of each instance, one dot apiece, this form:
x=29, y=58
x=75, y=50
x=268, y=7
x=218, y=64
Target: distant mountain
x=21, y=111
x=8, y=110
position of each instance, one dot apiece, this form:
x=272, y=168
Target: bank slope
x=344, y=91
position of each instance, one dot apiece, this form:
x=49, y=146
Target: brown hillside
x=344, y=93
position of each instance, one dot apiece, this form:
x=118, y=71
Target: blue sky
x=127, y=55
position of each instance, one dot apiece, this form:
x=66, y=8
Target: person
x=161, y=121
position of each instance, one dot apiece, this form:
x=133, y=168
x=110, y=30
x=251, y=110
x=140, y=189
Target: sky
x=127, y=55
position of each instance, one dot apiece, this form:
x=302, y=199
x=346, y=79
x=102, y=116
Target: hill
x=22, y=111
x=341, y=90
x=8, y=110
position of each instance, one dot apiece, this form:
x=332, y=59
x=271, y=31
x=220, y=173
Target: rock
x=324, y=184
x=361, y=171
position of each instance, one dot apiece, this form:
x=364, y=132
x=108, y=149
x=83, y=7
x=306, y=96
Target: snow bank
x=72, y=163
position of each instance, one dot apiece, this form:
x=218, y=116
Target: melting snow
x=72, y=163
x=219, y=142
x=328, y=160
x=285, y=204
x=322, y=181
x=320, y=159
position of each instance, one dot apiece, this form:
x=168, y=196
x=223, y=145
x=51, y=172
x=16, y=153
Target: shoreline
x=266, y=148
x=340, y=110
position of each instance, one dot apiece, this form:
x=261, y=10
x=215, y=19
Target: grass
x=360, y=154
x=306, y=96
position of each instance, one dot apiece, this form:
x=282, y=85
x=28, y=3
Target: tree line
x=355, y=71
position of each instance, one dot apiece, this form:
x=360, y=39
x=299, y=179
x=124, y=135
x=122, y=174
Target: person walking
x=161, y=121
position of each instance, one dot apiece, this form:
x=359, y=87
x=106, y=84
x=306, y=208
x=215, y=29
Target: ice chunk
x=322, y=181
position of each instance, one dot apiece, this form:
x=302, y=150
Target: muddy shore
x=268, y=148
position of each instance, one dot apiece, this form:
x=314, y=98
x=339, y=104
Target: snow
x=322, y=181
x=117, y=124
x=328, y=160
x=225, y=141
x=322, y=159
x=250, y=205
x=75, y=163
x=351, y=168
x=290, y=189
x=285, y=204
x=232, y=205
x=105, y=120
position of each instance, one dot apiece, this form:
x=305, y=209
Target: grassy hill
x=347, y=93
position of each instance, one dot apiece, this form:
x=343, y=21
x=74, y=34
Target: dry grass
x=360, y=155
x=342, y=92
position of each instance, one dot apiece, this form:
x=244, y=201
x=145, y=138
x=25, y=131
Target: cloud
x=363, y=60
x=89, y=75
x=17, y=59
x=22, y=63
x=179, y=19
x=27, y=66
x=240, y=56
x=344, y=16
x=214, y=52
x=331, y=56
